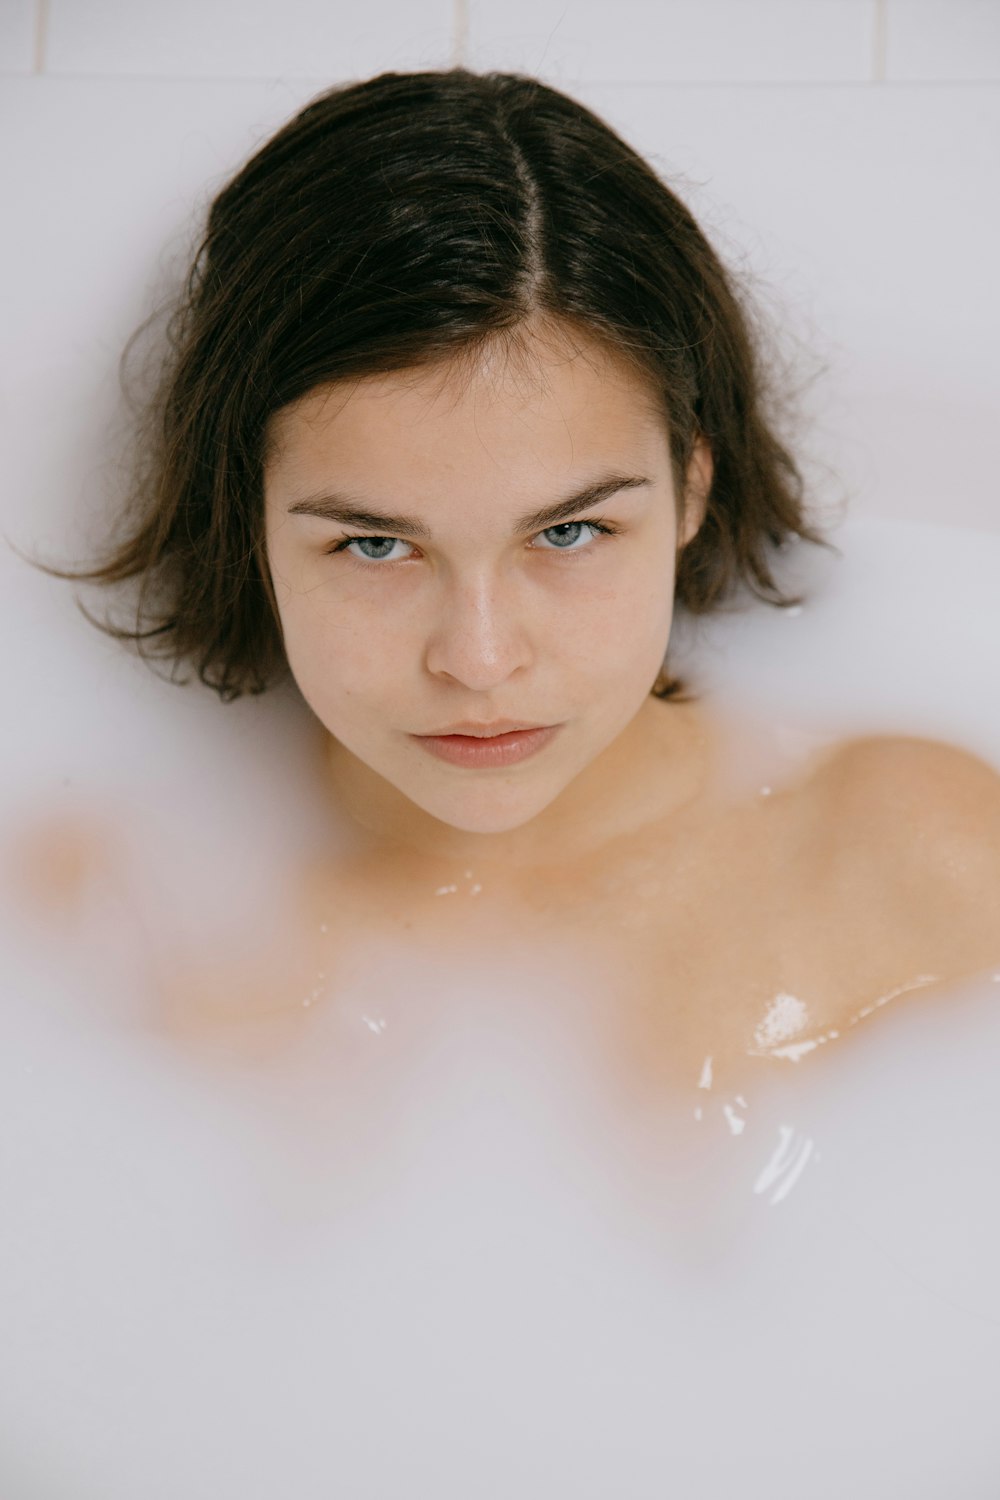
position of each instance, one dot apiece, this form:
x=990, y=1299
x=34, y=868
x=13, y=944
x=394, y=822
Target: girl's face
x=458, y=600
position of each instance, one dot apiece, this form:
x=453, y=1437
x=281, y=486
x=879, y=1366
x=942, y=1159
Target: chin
x=486, y=825
x=487, y=820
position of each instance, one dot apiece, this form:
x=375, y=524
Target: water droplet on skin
x=324, y=927
x=446, y=890
x=736, y=1125
x=794, y=1052
x=765, y=791
x=902, y=989
x=786, y=1016
x=475, y=890
x=705, y=1081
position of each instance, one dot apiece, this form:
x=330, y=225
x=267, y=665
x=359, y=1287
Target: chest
x=718, y=938
x=682, y=940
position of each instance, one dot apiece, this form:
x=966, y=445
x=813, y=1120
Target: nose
x=479, y=637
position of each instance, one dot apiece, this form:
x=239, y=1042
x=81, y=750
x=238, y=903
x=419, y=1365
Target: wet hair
x=399, y=223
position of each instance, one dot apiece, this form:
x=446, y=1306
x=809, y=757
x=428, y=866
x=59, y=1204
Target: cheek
x=623, y=629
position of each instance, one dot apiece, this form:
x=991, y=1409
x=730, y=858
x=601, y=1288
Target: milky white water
x=447, y=1271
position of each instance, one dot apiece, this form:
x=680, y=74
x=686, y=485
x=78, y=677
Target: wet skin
x=851, y=887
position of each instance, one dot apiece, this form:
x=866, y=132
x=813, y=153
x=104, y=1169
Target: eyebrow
x=350, y=512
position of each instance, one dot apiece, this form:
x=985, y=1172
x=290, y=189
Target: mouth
x=482, y=750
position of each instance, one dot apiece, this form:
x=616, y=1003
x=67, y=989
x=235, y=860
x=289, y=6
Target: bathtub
x=448, y=1271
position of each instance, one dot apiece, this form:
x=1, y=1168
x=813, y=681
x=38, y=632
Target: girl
x=461, y=404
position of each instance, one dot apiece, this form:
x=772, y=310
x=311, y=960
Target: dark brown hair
x=401, y=222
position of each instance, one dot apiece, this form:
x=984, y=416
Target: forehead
x=546, y=396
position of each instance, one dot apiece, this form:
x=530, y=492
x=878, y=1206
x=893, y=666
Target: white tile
x=942, y=39
x=248, y=38
x=676, y=41
x=17, y=36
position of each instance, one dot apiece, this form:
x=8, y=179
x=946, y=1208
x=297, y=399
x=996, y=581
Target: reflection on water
x=786, y=1165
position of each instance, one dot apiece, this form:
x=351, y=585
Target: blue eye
x=576, y=526
x=381, y=543
x=369, y=541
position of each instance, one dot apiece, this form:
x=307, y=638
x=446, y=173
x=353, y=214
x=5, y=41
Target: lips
x=486, y=751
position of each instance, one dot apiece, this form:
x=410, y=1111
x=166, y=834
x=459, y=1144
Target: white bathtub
x=458, y=1279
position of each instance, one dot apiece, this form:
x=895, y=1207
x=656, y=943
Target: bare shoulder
x=916, y=822
x=922, y=789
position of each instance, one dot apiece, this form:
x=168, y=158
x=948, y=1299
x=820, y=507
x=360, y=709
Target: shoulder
x=918, y=821
x=918, y=789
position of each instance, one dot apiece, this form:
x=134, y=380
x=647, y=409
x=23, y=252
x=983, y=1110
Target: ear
x=698, y=485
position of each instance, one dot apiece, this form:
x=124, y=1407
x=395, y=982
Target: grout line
x=880, y=32
x=461, y=20
x=41, y=33
x=675, y=85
